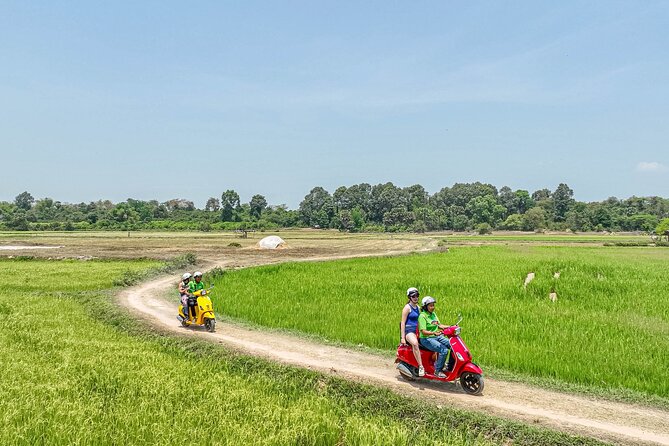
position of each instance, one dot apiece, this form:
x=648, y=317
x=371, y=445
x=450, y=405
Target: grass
x=77, y=370
x=565, y=238
x=608, y=329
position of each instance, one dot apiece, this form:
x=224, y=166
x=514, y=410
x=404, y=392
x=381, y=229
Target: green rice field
x=608, y=329
x=76, y=370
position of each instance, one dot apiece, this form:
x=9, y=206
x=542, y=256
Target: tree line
x=360, y=207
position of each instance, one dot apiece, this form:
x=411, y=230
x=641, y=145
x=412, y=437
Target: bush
x=215, y=273
x=234, y=245
x=374, y=228
x=128, y=278
x=484, y=228
x=181, y=261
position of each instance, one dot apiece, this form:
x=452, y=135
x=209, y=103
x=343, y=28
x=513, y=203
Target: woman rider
x=409, y=326
x=431, y=336
x=183, y=292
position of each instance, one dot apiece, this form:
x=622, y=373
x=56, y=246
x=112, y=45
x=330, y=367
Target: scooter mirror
x=459, y=319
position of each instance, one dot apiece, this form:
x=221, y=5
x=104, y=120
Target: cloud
x=652, y=166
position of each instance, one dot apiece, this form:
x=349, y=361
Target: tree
x=663, y=228
x=18, y=222
x=562, y=201
x=386, y=197
x=257, y=205
x=398, y=217
x=460, y=222
x=344, y=220
x=179, y=204
x=541, y=195
x=601, y=217
x=417, y=196
x=577, y=218
x=522, y=201
x=485, y=210
x=213, y=205
x=641, y=222
x=317, y=208
x=358, y=218
x=24, y=201
x=461, y=194
x=358, y=195
x=535, y=219
x=340, y=199
x=507, y=198
x=229, y=205
x=514, y=222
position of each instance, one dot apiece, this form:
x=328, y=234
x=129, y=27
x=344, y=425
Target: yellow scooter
x=204, y=311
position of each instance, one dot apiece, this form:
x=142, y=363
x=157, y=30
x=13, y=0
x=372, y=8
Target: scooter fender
x=208, y=315
x=472, y=368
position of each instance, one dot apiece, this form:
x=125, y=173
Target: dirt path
x=608, y=421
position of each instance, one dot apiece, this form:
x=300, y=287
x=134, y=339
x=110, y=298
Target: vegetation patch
x=80, y=371
x=611, y=302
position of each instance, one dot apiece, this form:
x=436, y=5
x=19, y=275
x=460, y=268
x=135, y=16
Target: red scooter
x=459, y=363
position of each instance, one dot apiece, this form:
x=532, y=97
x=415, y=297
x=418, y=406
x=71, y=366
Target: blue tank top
x=412, y=320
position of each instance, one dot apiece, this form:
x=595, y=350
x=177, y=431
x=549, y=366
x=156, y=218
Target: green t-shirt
x=427, y=321
x=193, y=286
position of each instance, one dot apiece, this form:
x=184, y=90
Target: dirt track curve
x=604, y=420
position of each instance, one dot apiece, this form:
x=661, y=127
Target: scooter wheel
x=472, y=383
x=405, y=371
x=210, y=325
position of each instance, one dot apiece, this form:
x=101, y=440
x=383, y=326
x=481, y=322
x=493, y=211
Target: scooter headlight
x=457, y=331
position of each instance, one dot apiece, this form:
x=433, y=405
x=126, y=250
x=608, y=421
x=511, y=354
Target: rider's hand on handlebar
x=403, y=341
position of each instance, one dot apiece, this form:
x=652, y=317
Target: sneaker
x=421, y=371
x=440, y=375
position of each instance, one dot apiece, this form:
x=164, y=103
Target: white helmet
x=197, y=274
x=411, y=291
x=427, y=300
x=185, y=276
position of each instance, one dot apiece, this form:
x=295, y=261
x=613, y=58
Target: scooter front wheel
x=210, y=325
x=472, y=383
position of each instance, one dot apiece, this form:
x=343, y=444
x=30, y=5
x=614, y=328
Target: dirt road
x=604, y=420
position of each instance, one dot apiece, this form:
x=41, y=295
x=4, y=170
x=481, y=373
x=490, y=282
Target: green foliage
x=257, y=205
x=663, y=227
x=562, y=201
x=82, y=372
x=483, y=228
x=535, y=219
x=514, y=222
x=181, y=261
x=611, y=301
x=317, y=208
x=460, y=207
x=24, y=201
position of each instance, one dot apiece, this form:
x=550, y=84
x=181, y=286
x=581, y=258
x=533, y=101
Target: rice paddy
x=607, y=326
x=78, y=371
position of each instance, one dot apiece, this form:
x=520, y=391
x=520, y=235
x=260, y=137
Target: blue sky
x=160, y=100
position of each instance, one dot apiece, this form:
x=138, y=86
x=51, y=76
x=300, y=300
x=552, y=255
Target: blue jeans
x=440, y=345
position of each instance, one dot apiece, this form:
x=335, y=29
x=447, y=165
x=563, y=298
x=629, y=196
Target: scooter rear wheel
x=405, y=371
x=472, y=383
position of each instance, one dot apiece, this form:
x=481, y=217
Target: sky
x=162, y=100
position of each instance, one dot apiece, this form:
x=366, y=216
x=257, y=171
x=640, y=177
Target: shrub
x=484, y=228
